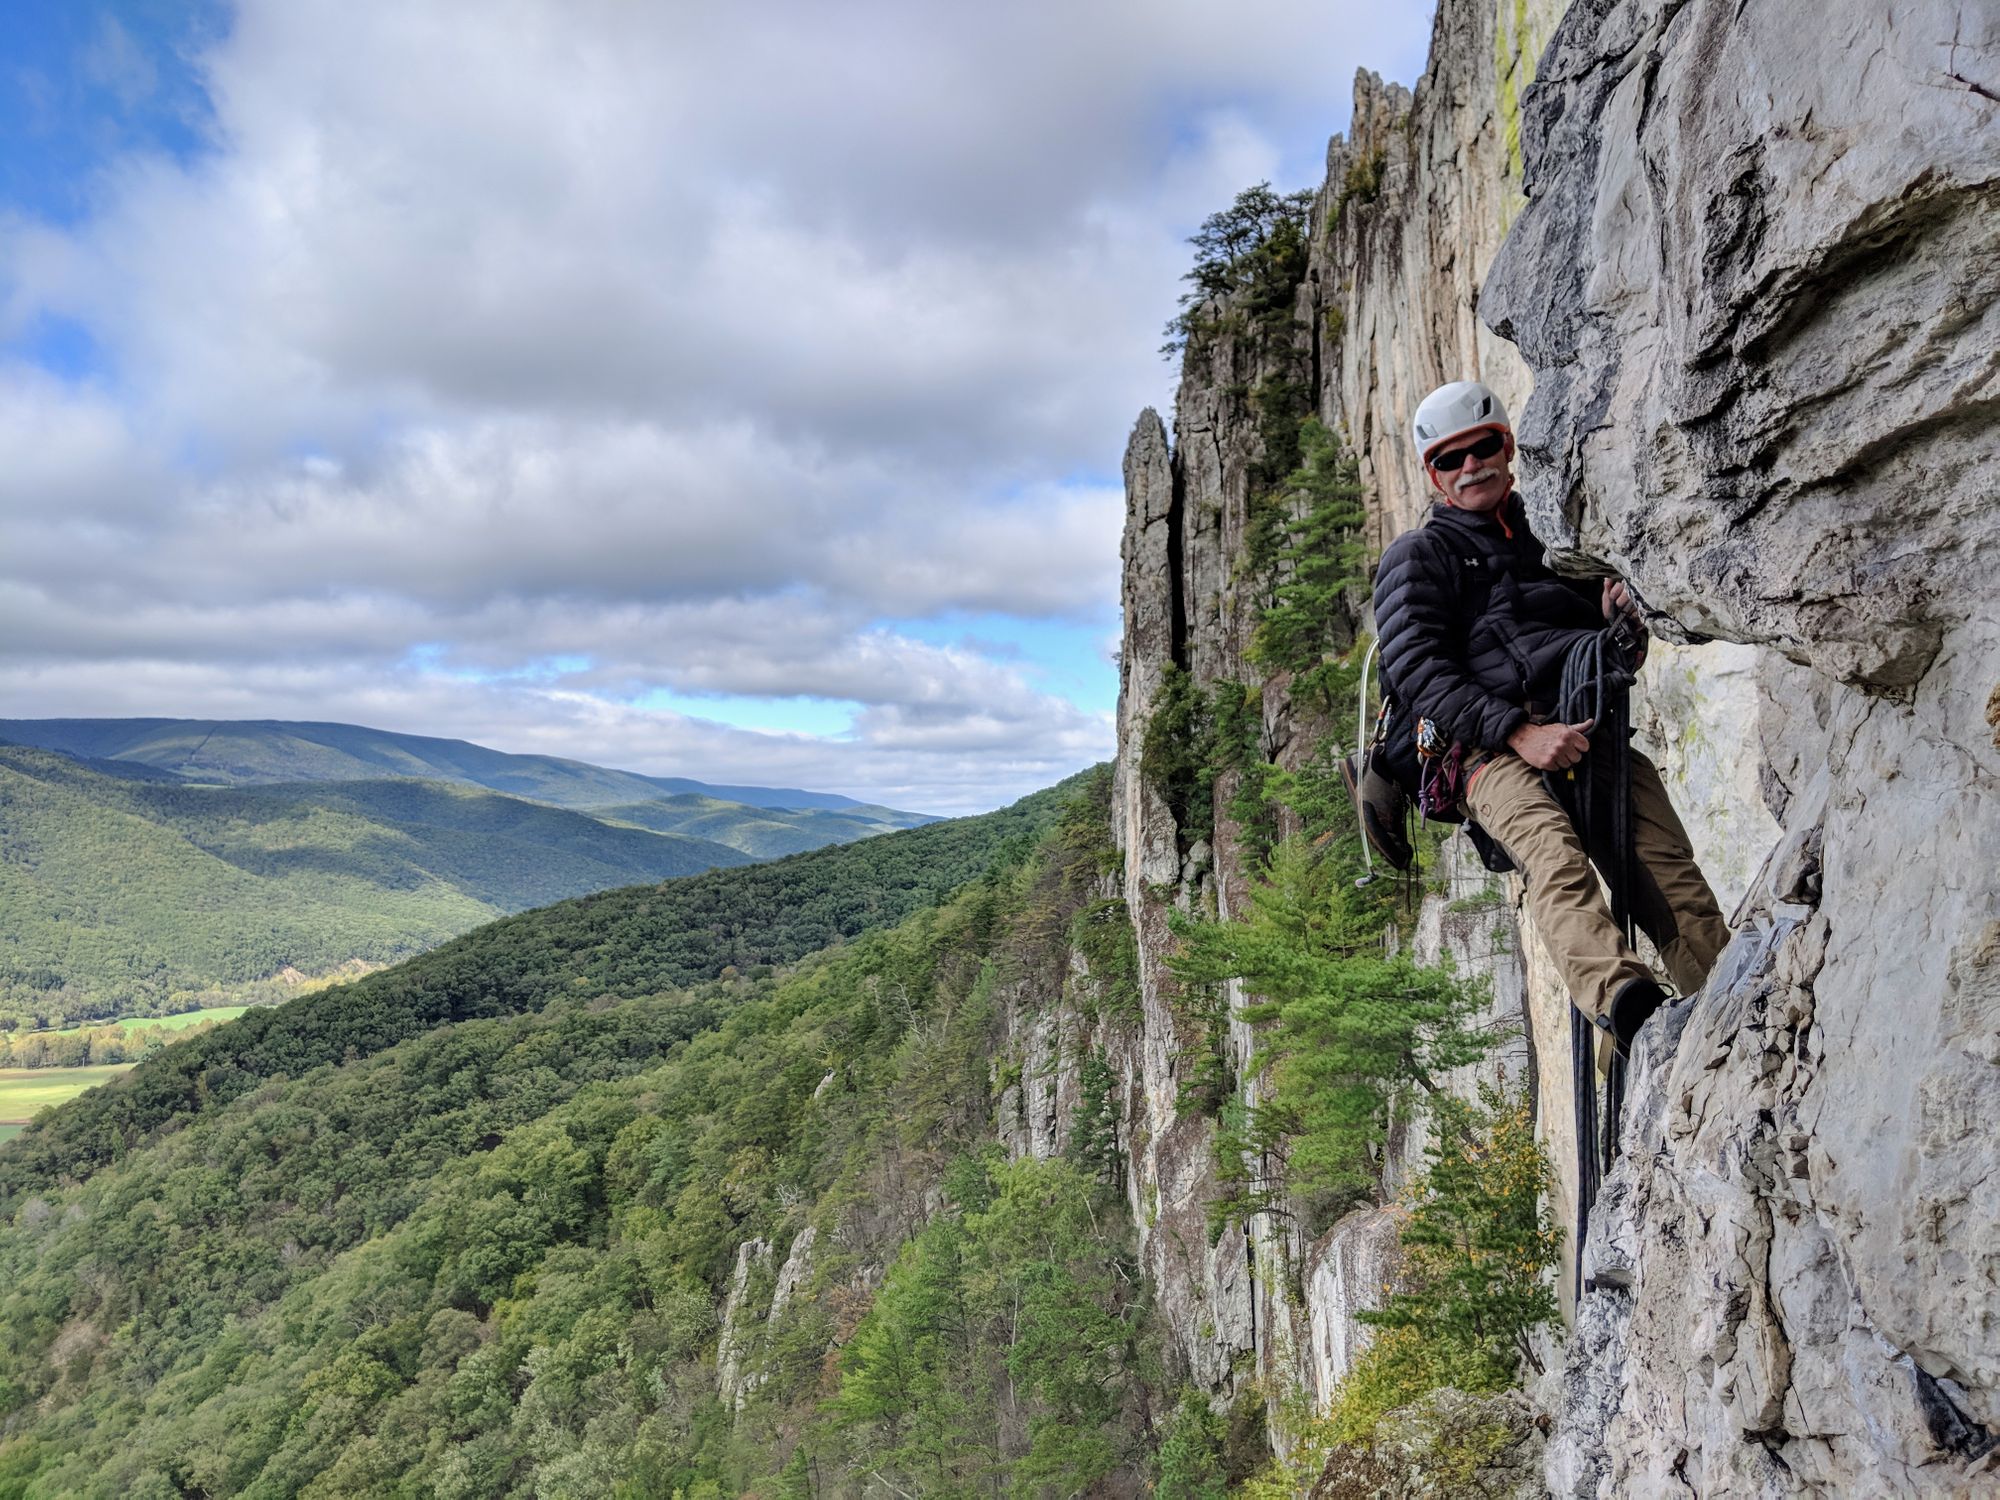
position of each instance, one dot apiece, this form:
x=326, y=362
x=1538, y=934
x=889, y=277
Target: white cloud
x=973, y=757
x=693, y=341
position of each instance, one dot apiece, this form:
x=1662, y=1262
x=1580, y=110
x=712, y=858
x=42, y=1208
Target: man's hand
x=1618, y=597
x=1618, y=601
x=1551, y=747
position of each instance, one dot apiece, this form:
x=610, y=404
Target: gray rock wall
x=1417, y=198
x=1757, y=287
x=1418, y=194
x=1759, y=283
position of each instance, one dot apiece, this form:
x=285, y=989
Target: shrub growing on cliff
x=1190, y=1460
x=1308, y=629
x=1102, y=935
x=1353, y=1030
x=1255, y=250
x=1093, y=1132
x=1363, y=181
x=1477, y=1246
x=1479, y=1243
x=1177, y=752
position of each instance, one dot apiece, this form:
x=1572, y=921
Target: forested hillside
x=471, y=1227
x=568, y=1209
x=128, y=896
x=614, y=944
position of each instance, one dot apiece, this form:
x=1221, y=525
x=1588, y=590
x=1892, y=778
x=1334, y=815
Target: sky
x=727, y=391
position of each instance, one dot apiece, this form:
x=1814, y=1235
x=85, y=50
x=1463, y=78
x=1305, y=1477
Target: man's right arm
x=1417, y=604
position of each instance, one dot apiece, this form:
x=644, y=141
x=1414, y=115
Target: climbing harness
x=1443, y=774
x=1597, y=795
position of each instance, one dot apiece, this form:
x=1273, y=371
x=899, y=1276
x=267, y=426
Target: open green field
x=181, y=1022
x=25, y=1091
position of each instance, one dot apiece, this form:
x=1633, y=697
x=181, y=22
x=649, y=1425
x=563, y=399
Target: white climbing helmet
x=1451, y=410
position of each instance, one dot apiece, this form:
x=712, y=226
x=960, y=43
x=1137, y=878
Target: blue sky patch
x=91, y=82
x=62, y=346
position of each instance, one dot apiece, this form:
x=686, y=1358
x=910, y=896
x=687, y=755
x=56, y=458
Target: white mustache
x=1477, y=476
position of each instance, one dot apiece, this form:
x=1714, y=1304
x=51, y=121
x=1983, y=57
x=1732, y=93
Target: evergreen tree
x=1322, y=572
x=1479, y=1243
x=1254, y=249
x=1355, y=1030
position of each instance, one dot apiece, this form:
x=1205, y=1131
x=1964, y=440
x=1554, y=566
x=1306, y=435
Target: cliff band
x=1739, y=279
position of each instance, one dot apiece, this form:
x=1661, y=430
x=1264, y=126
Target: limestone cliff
x=1417, y=198
x=1759, y=316
x=1758, y=281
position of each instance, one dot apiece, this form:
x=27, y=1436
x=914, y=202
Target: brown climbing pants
x=1672, y=905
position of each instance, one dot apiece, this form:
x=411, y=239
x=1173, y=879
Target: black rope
x=1597, y=794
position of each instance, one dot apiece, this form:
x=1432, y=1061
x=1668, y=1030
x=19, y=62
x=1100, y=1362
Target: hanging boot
x=1383, y=809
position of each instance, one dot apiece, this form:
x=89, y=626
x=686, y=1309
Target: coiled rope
x=1597, y=795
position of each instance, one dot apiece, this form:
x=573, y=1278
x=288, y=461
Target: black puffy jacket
x=1475, y=625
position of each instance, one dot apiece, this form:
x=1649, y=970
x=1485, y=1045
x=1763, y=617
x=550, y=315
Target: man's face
x=1474, y=471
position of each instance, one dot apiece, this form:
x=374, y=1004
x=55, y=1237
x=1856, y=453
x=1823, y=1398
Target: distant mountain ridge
x=121, y=893
x=238, y=752
x=762, y=833
x=152, y=861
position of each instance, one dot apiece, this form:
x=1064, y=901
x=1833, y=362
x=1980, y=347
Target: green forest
x=559, y=1189
x=471, y=1226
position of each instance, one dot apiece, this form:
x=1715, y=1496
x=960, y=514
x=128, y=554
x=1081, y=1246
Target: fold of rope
x=1583, y=1095
x=1595, y=686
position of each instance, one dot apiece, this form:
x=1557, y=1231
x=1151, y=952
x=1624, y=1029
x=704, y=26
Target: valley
x=131, y=892
x=25, y=1092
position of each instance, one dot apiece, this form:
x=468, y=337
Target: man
x=1475, y=628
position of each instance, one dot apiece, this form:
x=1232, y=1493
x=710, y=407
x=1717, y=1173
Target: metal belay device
x=1597, y=794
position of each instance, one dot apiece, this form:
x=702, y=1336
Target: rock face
x=1760, y=312
x=1417, y=198
x=1774, y=303
x=1418, y=195
x=732, y=1382
x=1763, y=316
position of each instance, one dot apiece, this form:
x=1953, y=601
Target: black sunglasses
x=1484, y=448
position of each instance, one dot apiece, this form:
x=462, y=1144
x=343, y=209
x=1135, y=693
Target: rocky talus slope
x=1758, y=317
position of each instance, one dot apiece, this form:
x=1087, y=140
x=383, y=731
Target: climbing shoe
x=1632, y=1005
x=1382, y=808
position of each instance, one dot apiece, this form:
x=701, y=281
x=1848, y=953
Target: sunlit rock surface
x=1763, y=309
